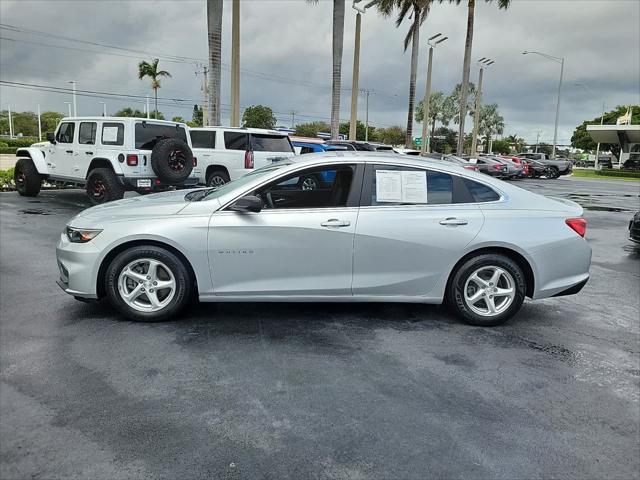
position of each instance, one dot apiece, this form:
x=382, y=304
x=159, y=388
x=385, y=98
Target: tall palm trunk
x=338, y=37
x=415, y=44
x=466, y=67
x=214, y=34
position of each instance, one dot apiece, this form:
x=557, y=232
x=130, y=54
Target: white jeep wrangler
x=109, y=155
x=227, y=153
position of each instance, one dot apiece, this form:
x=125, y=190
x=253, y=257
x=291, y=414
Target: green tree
x=130, y=112
x=517, y=143
x=146, y=69
x=466, y=65
x=258, y=116
x=454, y=101
x=361, y=130
x=311, y=129
x=417, y=10
x=394, y=135
x=443, y=140
x=50, y=120
x=581, y=138
x=178, y=120
x=501, y=146
x=544, y=148
x=25, y=123
x=196, y=117
x=491, y=122
x=440, y=110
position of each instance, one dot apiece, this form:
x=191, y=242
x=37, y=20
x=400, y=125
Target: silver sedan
x=373, y=228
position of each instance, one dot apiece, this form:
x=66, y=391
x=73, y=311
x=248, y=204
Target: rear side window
x=65, y=132
x=480, y=192
x=87, y=133
x=270, y=143
x=148, y=134
x=236, y=141
x=203, y=139
x=112, y=133
x=393, y=185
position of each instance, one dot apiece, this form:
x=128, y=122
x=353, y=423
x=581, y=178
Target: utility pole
x=293, y=119
x=205, y=92
x=104, y=109
x=148, y=114
x=235, y=63
x=424, y=148
x=482, y=63
x=598, y=147
x=366, y=118
x=75, y=105
x=39, y=125
x=537, y=141
x=10, y=123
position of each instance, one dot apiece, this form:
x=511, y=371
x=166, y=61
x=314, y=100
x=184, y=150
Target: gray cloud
x=291, y=39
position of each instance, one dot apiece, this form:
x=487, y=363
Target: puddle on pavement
x=35, y=211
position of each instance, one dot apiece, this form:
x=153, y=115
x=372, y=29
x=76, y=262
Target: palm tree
x=466, y=65
x=214, y=35
x=491, y=122
x=336, y=77
x=146, y=69
x=416, y=10
x=440, y=110
x=516, y=142
x=454, y=101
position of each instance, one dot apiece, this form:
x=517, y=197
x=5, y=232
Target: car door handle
x=88, y=153
x=453, y=221
x=334, y=222
x=69, y=151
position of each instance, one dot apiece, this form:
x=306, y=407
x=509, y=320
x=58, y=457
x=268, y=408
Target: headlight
x=81, y=235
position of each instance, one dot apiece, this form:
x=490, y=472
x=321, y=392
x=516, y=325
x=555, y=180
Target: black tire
x=172, y=160
x=456, y=289
x=183, y=283
x=103, y=186
x=216, y=178
x=554, y=172
x=26, y=177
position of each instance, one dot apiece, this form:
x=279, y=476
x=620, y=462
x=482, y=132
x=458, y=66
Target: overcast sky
x=286, y=57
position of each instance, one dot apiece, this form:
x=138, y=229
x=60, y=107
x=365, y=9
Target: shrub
x=618, y=173
x=9, y=150
x=6, y=180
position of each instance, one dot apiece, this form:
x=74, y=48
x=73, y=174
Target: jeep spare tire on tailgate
x=172, y=160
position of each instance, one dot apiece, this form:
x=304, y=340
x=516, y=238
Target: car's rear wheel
x=148, y=284
x=217, y=178
x=103, y=186
x=26, y=177
x=553, y=172
x=487, y=289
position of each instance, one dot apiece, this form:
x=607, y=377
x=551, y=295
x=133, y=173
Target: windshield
x=239, y=182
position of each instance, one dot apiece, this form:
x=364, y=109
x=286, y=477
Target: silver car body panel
x=380, y=253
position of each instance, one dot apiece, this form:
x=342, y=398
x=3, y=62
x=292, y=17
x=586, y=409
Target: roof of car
x=98, y=118
x=243, y=129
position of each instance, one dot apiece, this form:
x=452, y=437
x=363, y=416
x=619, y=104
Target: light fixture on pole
x=75, y=105
x=69, y=105
x=104, y=108
x=559, y=60
x=425, y=140
x=483, y=63
x=353, y=121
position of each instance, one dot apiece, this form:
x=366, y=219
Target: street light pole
x=355, y=78
x=69, y=105
x=424, y=147
x=10, y=123
x=75, y=105
x=235, y=63
x=366, y=118
x=482, y=63
x=39, y=125
x=561, y=61
x=104, y=108
x=148, y=114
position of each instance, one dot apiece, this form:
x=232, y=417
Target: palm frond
x=407, y=39
x=163, y=73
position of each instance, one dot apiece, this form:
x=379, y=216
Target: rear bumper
x=149, y=184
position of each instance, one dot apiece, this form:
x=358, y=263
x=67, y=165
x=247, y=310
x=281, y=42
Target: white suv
x=226, y=153
x=109, y=155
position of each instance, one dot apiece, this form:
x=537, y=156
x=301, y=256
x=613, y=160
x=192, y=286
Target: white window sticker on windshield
x=388, y=186
x=109, y=134
x=395, y=186
x=414, y=187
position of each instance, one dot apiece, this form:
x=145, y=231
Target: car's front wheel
x=148, y=284
x=487, y=289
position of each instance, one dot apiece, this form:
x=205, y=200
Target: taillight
x=132, y=160
x=497, y=166
x=195, y=162
x=578, y=225
x=248, y=159
x=470, y=167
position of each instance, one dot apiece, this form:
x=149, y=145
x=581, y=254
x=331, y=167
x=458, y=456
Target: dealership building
x=627, y=136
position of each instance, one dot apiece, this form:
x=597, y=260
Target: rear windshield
x=270, y=143
x=148, y=134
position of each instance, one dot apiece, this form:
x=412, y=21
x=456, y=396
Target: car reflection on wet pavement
x=318, y=390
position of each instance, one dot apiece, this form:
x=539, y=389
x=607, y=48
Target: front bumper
x=78, y=266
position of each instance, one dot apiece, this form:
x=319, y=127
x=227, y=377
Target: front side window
x=87, y=133
x=320, y=187
x=148, y=134
x=270, y=143
x=203, y=138
x=112, y=133
x=236, y=141
x=65, y=132
x=395, y=185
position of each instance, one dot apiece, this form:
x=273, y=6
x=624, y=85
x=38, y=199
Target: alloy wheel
x=489, y=291
x=146, y=285
x=216, y=181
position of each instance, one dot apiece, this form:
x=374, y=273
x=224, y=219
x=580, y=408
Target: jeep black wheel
x=26, y=177
x=103, y=186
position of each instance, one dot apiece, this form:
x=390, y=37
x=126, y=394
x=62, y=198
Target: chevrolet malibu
x=377, y=228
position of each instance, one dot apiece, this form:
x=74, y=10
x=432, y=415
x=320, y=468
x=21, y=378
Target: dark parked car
x=557, y=166
x=514, y=170
x=459, y=161
x=491, y=167
x=362, y=146
x=535, y=169
x=632, y=165
x=634, y=228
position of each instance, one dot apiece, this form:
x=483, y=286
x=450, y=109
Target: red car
x=519, y=161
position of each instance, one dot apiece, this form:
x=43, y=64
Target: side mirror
x=51, y=138
x=248, y=203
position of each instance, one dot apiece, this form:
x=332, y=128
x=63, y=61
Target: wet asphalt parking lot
x=319, y=391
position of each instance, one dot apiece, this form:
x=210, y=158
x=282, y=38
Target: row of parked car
x=111, y=155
